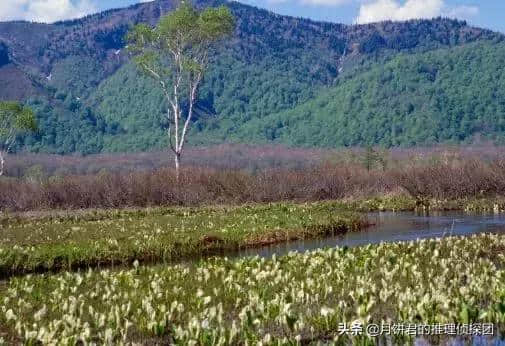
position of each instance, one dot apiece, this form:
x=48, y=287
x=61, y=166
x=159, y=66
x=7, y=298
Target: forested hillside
x=447, y=95
x=269, y=82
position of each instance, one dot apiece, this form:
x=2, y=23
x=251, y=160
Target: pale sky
x=485, y=13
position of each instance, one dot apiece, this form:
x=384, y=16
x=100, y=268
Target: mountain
x=446, y=95
x=89, y=97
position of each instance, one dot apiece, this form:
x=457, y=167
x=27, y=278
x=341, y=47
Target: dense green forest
x=234, y=93
x=448, y=95
x=278, y=79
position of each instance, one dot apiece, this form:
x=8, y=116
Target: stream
x=394, y=227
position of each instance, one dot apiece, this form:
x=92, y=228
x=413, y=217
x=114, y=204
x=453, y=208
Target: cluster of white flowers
x=264, y=301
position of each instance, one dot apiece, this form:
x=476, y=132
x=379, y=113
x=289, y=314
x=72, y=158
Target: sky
x=484, y=13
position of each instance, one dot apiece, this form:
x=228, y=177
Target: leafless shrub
x=289, y=174
x=196, y=186
x=469, y=178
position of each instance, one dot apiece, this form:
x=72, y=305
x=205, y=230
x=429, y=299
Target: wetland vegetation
x=290, y=300
x=161, y=234
x=130, y=257
x=429, y=180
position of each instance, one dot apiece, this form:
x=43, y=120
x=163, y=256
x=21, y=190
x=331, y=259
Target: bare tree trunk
x=177, y=165
x=2, y=163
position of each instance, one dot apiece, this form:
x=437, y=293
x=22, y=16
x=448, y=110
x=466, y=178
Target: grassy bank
x=69, y=240
x=66, y=242
x=402, y=202
x=396, y=202
x=296, y=297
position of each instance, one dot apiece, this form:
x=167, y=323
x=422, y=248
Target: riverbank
x=445, y=178
x=298, y=297
x=388, y=202
x=36, y=242
x=120, y=237
x=401, y=202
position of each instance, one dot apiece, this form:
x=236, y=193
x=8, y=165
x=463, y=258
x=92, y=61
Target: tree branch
x=192, y=99
x=9, y=139
x=151, y=71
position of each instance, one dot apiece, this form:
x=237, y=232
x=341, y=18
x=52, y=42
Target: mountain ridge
x=70, y=71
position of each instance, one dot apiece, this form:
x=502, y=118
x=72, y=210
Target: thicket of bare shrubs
x=208, y=186
x=236, y=157
x=225, y=156
x=196, y=186
x=467, y=178
x=443, y=175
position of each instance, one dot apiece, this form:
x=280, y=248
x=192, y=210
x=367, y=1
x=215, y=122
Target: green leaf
x=464, y=314
x=14, y=119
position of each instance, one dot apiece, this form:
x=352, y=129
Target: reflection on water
x=392, y=227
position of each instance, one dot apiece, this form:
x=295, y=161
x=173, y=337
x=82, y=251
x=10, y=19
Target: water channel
x=394, y=227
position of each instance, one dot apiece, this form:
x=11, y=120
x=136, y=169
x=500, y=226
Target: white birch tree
x=175, y=53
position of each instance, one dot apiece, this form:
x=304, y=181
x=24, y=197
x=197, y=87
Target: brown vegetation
x=327, y=175
x=196, y=186
x=469, y=178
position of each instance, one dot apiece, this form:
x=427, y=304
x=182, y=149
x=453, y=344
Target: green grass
x=407, y=203
x=54, y=241
x=116, y=237
x=276, y=301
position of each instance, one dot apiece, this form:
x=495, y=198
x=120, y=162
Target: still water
x=393, y=227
